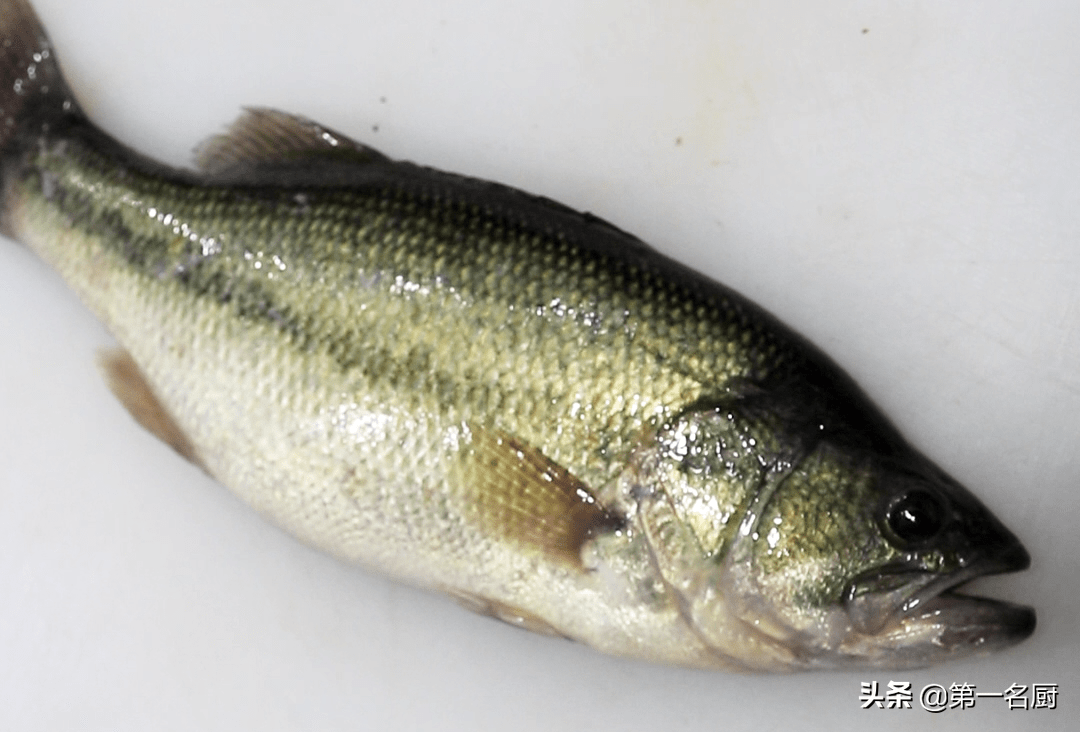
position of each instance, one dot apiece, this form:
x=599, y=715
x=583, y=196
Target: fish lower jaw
x=972, y=623
x=945, y=627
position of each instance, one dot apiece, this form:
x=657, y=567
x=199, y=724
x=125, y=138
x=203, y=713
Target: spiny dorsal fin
x=262, y=136
x=127, y=382
x=527, y=498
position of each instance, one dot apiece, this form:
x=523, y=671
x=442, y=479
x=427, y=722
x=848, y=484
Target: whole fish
x=483, y=392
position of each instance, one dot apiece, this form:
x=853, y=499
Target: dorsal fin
x=524, y=496
x=262, y=136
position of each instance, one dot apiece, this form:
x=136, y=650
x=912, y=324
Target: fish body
x=483, y=392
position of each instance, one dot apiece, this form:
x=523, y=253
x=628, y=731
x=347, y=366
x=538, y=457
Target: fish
x=485, y=393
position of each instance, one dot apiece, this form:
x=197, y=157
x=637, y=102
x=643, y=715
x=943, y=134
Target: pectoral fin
x=529, y=499
x=127, y=382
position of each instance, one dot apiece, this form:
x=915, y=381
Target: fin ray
x=528, y=498
x=127, y=382
x=509, y=614
x=267, y=137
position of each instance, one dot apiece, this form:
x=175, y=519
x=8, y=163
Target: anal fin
x=127, y=382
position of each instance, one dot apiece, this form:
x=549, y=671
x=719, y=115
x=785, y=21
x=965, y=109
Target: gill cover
x=800, y=543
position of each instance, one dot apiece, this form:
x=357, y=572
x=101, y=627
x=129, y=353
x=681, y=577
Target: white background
x=899, y=181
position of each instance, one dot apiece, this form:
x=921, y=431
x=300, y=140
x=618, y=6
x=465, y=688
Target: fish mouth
x=921, y=618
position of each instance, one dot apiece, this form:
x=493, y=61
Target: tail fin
x=33, y=93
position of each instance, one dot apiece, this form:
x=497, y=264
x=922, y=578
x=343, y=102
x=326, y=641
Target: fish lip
x=945, y=627
x=969, y=621
x=1014, y=558
x=927, y=597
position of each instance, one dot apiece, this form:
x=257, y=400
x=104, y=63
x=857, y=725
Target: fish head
x=802, y=543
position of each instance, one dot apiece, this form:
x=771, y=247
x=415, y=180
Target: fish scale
x=481, y=391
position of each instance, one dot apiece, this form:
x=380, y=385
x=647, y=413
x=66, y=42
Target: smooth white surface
x=899, y=181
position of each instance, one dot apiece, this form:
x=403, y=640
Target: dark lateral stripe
x=254, y=299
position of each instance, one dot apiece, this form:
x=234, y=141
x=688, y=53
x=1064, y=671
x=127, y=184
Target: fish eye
x=916, y=516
